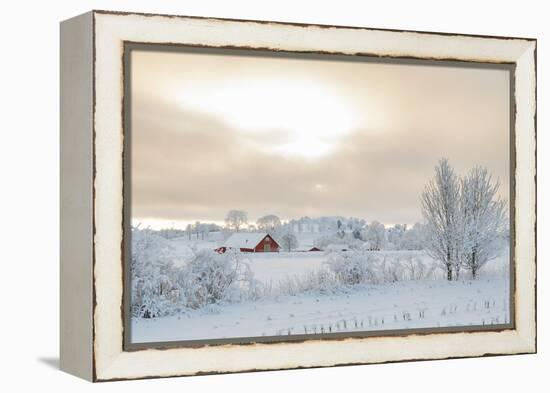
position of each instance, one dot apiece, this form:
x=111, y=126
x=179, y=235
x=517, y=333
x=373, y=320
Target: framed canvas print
x=245, y=195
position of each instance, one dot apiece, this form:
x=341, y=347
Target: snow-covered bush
x=211, y=278
x=244, y=286
x=160, y=288
x=320, y=280
x=413, y=268
x=388, y=269
x=154, y=290
x=352, y=267
x=363, y=266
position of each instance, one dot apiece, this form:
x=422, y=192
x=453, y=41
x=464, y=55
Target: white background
x=29, y=206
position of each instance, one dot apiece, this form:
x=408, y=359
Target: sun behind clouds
x=312, y=115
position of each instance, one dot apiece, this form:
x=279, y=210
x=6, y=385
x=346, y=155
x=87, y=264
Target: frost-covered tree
x=483, y=219
x=413, y=238
x=395, y=236
x=440, y=208
x=235, y=219
x=376, y=235
x=152, y=275
x=171, y=233
x=289, y=241
x=201, y=230
x=269, y=223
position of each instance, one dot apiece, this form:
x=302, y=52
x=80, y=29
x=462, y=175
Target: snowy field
x=401, y=305
x=275, y=267
x=405, y=304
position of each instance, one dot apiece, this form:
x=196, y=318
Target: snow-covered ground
x=274, y=267
x=424, y=303
x=400, y=305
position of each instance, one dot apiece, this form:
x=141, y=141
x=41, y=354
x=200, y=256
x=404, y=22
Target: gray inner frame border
x=130, y=46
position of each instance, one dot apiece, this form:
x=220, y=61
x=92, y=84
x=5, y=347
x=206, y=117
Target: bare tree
x=483, y=219
x=289, y=241
x=440, y=208
x=235, y=219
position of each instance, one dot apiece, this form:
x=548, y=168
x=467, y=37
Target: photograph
x=236, y=196
x=279, y=195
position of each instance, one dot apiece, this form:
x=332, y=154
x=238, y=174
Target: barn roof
x=245, y=239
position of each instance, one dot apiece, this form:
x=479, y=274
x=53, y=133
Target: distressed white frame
x=110, y=30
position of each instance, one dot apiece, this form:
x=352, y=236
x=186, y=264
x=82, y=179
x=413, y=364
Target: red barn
x=251, y=242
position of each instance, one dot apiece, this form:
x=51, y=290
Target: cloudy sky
x=304, y=136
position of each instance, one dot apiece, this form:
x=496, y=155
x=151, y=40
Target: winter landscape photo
x=276, y=196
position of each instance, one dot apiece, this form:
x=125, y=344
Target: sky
x=295, y=136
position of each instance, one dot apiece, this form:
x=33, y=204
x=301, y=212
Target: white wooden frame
x=92, y=195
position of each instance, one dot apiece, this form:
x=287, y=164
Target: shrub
x=352, y=267
x=321, y=280
x=153, y=275
x=207, y=279
x=211, y=278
